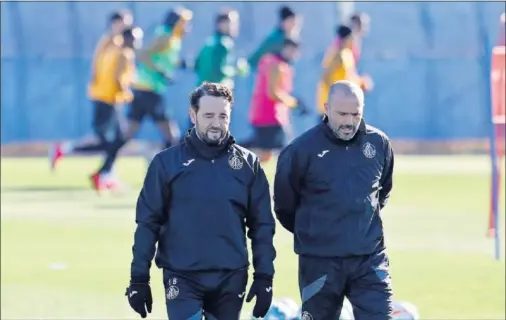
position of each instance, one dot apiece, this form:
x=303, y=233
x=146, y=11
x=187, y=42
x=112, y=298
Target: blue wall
x=426, y=60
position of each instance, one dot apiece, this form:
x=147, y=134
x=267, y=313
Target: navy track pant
x=211, y=294
x=365, y=281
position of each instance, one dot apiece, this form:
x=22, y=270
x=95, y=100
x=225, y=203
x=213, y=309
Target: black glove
x=140, y=298
x=262, y=289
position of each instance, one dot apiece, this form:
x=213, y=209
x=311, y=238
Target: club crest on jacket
x=235, y=162
x=369, y=150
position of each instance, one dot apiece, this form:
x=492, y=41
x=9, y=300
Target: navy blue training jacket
x=196, y=203
x=329, y=192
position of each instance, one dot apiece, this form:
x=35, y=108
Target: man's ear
x=326, y=107
x=193, y=115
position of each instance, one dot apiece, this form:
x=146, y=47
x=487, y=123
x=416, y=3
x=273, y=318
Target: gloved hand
x=140, y=298
x=262, y=289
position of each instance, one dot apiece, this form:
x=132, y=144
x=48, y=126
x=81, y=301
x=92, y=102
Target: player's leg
x=104, y=177
x=137, y=110
x=226, y=301
x=183, y=297
x=110, y=133
x=267, y=140
x=103, y=127
x=102, y=113
x=321, y=283
x=369, y=287
x=168, y=127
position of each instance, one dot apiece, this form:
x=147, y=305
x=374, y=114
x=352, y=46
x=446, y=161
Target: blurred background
x=428, y=62
x=66, y=252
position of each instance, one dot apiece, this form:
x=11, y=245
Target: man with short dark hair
x=197, y=200
x=157, y=63
x=288, y=27
x=272, y=100
x=109, y=89
x=331, y=184
x=118, y=21
x=289, y=24
x=216, y=61
x=339, y=64
x=154, y=73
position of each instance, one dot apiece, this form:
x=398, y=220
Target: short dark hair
x=119, y=15
x=343, y=32
x=132, y=33
x=225, y=14
x=174, y=16
x=360, y=18
x=285, y=12
x=210, y=89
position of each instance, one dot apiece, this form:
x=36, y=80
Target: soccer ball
x=283, y=309
x=401, y=311
x=405, y=311
x=287, y=309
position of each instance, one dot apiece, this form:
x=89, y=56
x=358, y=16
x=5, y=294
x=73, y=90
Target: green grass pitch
x=66, y=252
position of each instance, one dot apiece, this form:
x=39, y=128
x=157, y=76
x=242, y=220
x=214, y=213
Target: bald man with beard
x=330, y=187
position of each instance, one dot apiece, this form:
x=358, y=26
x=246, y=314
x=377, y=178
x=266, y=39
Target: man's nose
x=215, y=122
x=348, y=119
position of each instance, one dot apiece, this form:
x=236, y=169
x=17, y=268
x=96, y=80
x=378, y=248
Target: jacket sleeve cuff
x=262, y=276
x=139, y=279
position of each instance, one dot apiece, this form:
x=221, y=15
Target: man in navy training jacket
x=330, y=186
x=197, y=201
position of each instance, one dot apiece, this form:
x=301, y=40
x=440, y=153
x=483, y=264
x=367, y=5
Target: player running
x=289, y=26
x=155, y=72
x=359, y=25
x=339, y=65
x=197, y=201
x=109, y=88
x=216, y=61
x=118, y=21
x=272, y=99
x=157, y=63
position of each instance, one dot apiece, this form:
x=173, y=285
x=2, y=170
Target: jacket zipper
x=348, y=171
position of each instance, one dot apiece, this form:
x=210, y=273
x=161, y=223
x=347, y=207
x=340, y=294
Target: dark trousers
x=107, y=128
x=365, y=281
x=215, y=295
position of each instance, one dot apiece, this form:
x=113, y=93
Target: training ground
x=66, y=252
